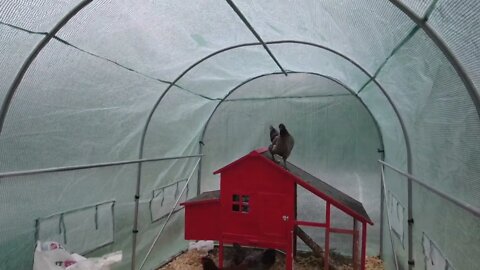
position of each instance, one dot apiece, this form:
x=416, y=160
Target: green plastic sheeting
x=128, y=80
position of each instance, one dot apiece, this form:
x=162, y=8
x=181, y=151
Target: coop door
x=274, y=216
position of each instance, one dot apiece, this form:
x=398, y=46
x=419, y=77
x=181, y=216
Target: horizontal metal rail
x=171, y=184
x=468, y=207
x=77, y=209
x=89, y=166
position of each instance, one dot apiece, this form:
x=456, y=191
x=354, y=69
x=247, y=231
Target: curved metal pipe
x=407, y=141
x=21, y=73
x=142, y=141
x=447, y=52
x=370, y=76
x=469, y=85
x=379, y=132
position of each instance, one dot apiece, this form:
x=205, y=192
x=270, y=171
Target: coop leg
x=289, y=252
x=220, y=254
x=355, y=245
x=327, y=238
x=364, y=244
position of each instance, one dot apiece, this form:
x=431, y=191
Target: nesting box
x=256, y=206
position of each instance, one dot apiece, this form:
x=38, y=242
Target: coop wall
x=255, y=199
x=202, y=221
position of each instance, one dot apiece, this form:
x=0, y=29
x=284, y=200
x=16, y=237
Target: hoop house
x=114, y=112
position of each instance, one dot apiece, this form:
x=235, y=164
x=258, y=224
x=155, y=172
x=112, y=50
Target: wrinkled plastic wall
x=87, y=96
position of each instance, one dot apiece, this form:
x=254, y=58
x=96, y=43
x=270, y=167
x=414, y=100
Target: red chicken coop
x=256, y=206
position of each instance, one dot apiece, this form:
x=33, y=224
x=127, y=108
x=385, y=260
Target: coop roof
x=315, y=185
x=208, y=196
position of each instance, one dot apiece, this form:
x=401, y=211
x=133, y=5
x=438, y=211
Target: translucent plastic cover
x=128, y=80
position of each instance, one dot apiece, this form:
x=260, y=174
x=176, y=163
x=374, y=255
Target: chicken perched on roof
x=282, y=143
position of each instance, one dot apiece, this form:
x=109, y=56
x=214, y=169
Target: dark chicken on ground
x=258, y=261
x=282, y=143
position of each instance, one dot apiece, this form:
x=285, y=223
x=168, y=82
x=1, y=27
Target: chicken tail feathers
x=268, y=257
x=208, y=264
x=273, y=133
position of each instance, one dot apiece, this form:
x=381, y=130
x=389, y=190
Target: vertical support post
x=327, y=237
x=289, y=251
x=411, y=262
x=220, y=254
x=199, y=176
x=294, y=226
x=355, y=244
x=382, y=209
x=364, y=244
x=135, y=218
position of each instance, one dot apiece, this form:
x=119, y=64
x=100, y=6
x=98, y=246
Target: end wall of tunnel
x=336, y=139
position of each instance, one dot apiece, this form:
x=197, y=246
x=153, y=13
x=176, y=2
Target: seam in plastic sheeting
x=294, y=97
x=250, y=27
x=142, y=142
x=403, y=42
x=38, y=48
x=445, y=49
x=65, y=42
x=23, y=29
x=379, y=69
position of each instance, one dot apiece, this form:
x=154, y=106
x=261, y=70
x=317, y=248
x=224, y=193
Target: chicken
x=261, y=261
x=239, y=254
x=273, y=133
x=209, y=264
x=282, y=143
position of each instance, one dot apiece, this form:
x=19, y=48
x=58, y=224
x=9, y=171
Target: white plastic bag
x=202, y=246
x=53, y=256
x=102, y=263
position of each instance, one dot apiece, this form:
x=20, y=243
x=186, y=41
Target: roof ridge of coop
x=256, y=206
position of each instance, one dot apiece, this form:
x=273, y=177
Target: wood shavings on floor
x=190, y=260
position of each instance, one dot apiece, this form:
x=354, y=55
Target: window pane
x=246, y=198
x=236, y=208
x=236, y=198
x=245, y=208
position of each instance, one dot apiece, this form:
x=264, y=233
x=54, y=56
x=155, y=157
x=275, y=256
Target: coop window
x=240, y=203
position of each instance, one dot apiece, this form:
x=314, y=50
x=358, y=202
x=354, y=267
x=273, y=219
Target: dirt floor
x=190, y=260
